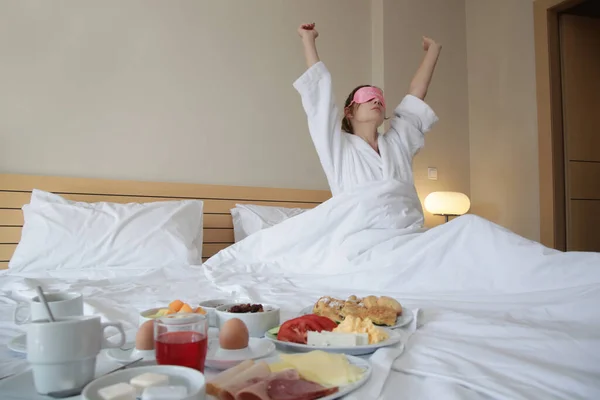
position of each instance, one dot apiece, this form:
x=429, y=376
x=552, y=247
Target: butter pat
x=335, y=339
x=165, y=393
x=149, y=379
x=119, y=391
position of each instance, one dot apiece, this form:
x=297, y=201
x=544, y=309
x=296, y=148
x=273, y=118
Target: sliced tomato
x=295, y=330
x=326, y=323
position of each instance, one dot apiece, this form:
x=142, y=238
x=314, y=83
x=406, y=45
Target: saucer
x=129, y=355
x=18, y=344
x=220, y=359
x=193, y=380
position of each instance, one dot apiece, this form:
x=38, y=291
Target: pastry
x=381, y=310
x=354, y=309
x=370, y=301
x=353, y=299
x=382, y=315
x=329, y=307
x=378, y=314
x=385, y=301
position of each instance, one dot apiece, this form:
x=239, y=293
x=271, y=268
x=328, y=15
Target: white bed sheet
x=502, y=317
x=121, y=299
x=464, y=348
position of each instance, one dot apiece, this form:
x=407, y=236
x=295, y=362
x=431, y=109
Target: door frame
x=553, y=216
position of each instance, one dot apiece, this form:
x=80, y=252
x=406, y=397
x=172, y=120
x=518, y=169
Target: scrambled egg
x=353, y=324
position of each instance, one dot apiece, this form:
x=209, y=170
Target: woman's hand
x=429, y=43
x=420, y=83
x=308, y=34
x=308, y=31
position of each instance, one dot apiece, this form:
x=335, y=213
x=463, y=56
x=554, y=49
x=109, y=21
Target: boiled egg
x=233, y=335
x=144, y=338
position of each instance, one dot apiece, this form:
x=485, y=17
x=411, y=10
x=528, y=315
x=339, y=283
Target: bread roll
x=370, y=301
x=385, y=301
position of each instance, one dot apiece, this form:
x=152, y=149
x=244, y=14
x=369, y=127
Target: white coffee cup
x=63, y=353
x=62, y=304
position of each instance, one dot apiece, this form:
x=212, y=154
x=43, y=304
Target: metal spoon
x=61, y=394
x=42, y=298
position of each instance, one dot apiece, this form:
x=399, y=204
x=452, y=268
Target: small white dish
x=345, y=389
x=145, y=315
x=129, y=355
x=394, y=337
x=257, y=323
x=220, y=359
x=402, y=320
x=18, y=344
x=178, y=376
x=210, y=307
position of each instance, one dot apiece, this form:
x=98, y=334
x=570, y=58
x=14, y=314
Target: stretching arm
x=316, y=90
x=420, y=82
x=308, y=34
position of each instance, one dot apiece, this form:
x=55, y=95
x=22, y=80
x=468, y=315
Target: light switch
x=432, y=173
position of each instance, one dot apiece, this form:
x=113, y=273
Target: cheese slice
x=335, y=339
x=321, y=367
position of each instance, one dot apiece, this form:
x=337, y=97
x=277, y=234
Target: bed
x=15, y=191
x=498, y=316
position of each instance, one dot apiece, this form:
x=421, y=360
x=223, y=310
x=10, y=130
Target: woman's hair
x=346, y=125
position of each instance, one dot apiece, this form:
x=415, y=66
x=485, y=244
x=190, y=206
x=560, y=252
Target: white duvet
x=501, y=317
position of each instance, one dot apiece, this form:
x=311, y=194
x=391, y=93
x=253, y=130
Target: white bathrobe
x=347, y=159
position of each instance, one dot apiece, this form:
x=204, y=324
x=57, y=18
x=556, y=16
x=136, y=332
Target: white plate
x=343, y=390
x=127, y=356
x=18, y=344
x=404, y=319
x=178, y=376
x=355, y=350
x=220, y=359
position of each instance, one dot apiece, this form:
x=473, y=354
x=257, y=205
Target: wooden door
x=580, y=66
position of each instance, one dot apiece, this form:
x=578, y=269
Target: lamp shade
x=447, y=203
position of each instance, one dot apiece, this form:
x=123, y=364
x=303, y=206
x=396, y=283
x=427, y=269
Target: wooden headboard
x=15, y=191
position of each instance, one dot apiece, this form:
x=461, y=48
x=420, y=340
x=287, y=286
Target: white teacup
x=61, y=304
x=63, y=353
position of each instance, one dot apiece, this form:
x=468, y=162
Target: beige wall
x=502, y=114
x=190, y=90
x=201, y=91
x=447, y=145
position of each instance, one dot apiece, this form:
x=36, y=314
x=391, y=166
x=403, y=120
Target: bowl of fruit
x=174, y=307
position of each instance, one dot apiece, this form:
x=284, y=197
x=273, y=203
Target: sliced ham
x=258, y=390
x=257, y=372
x=296, y=389
x=212, y=386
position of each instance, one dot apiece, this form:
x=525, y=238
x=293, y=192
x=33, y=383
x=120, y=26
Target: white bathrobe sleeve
x=412, y=119
x=316, y=90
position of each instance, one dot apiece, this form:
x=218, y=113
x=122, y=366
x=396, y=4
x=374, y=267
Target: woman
x=351, y=151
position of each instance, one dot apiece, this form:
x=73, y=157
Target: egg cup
x=220, y=359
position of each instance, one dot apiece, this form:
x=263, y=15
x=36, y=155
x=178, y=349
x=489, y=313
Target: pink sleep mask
x=368, y=93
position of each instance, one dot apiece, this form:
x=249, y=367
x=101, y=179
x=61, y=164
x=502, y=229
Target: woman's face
x=367, y=106
x=372, y=111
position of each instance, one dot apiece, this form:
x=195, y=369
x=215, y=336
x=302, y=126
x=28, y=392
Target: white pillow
x=63, y=234
x=250, y=218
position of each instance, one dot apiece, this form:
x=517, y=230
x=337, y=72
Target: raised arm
x=316, y=90
x=308, y=34
x=422, y=79
x=413, y=117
